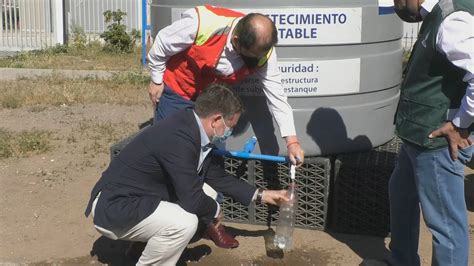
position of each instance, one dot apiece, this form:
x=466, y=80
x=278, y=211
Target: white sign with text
x=312, y=78
x=310, y=26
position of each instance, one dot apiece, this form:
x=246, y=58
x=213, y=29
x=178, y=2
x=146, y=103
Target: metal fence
x=36, y=24
x=410, y=34
x=88, y=14
x=29, y=24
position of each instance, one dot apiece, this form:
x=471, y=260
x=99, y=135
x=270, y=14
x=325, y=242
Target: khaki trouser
x=167, y=232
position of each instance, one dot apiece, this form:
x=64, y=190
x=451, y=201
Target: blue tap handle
x=250, y=144
x=250, y=156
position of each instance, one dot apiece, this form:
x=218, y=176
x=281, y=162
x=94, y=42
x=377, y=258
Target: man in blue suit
x=153, y=190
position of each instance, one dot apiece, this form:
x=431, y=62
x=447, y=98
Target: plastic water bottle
x=286, y=222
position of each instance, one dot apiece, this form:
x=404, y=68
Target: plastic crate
x=234, y=211
x=360, y=203
x=117, y=147
x=312, y=180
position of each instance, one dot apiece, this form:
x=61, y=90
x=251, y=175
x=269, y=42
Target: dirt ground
x=42, y=201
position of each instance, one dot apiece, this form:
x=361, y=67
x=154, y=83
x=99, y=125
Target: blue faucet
x=246, y=153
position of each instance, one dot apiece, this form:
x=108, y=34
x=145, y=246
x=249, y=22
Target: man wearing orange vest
x=213, y=44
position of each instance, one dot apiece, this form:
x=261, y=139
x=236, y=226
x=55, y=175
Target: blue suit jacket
x=161, y=164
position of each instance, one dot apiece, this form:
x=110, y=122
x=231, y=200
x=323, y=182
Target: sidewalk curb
x=31, y=73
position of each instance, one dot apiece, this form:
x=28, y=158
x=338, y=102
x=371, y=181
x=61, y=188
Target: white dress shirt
x=202, y=155
x=204, y=142
x=455, y=39
x=180, y=35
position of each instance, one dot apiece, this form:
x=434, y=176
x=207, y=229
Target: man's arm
x=455, y=39
x=280, y=108
x=169, y=41
x=238, y=189
x=219, y=180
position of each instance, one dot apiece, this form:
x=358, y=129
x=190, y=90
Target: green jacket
x=432, y=85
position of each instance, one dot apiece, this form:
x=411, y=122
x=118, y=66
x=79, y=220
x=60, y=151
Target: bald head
x=256, y=31
x=408, y=10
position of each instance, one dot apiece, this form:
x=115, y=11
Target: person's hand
x=457, y=138
x=274, y=197
x=295, y=152
x=155, y=91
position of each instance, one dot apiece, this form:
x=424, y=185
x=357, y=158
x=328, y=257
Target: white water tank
x=341, y=67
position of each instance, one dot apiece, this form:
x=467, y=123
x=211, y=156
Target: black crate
x=117, y=147
x=312, y=180
x=234, y=211
x=360, y=203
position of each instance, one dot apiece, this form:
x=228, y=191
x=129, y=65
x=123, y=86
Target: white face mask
x=227, y=133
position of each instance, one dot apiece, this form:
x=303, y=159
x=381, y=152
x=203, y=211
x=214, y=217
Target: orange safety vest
x=189, y=72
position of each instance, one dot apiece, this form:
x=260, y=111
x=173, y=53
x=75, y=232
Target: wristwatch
x=259, y=195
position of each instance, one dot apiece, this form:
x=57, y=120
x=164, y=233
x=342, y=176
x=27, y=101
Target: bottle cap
x=292, y=171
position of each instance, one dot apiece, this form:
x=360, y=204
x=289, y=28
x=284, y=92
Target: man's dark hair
x=218, y=98
x=247, y=35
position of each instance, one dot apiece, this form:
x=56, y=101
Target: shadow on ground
x=112, y=252
x=366, y=247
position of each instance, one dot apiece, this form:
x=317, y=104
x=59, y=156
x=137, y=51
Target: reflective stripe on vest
x=189, y=72
x=207, y=25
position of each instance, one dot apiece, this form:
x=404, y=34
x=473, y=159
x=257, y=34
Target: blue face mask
x=227, y=133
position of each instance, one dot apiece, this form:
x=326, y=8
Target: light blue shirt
x=204, y=142
x=204, y=152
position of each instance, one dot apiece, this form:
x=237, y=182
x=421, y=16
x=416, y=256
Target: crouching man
x=152, y=192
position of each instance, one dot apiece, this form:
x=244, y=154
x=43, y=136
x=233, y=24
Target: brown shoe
x=220, y=237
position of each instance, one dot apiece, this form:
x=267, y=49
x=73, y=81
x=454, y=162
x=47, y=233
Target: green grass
x=6, y=150
x=91, y=57
x=127, y=88
x=24, y=143
x=102, y=134
x=36, y=95
x=405, y=58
